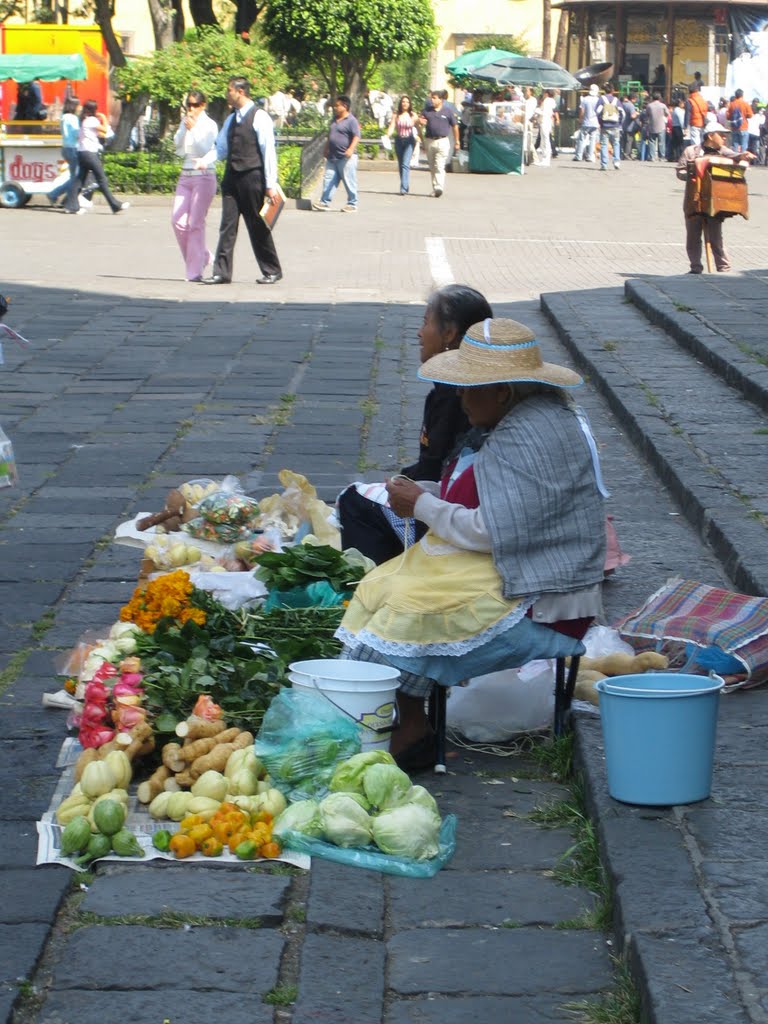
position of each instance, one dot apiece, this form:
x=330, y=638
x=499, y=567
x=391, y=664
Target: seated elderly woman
x=367, y=525
x=515, y=541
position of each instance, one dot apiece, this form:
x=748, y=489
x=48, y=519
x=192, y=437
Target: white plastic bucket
x=363, y=690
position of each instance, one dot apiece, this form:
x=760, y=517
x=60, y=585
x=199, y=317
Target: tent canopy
x=49, y=67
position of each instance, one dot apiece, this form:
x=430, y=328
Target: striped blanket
x=685, y=615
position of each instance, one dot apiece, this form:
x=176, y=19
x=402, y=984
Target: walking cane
x=707, y=245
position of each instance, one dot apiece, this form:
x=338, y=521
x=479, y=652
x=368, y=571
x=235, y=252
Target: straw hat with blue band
x=497, y=352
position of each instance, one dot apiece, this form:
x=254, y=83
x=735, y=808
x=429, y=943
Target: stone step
x=707, y=443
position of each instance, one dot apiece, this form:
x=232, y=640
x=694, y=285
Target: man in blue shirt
x=341, y=157
x=439, y=124
x=247, y=143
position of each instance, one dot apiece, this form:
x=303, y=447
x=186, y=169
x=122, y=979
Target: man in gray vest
x=247, y=143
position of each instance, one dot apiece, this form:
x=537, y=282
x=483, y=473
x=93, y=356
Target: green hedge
x=138, y=173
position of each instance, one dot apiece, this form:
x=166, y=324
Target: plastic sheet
x=374, y=859
x=301, y=740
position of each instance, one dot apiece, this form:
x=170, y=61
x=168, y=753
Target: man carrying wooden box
x=715, y=188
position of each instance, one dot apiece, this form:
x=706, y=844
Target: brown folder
x=271, y=211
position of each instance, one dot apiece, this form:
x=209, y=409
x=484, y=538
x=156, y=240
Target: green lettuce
x=348, y=776
x=409, y=831
x=385, y=785
x=345, y=822
x=303, y=816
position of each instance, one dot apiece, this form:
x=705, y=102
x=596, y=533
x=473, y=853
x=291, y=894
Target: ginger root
x=191, y=751
x=216, y=759
x=151, y=787
x=172, y=757
x=194, y=728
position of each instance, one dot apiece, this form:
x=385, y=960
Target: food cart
x=496, y=139
x=30, y=151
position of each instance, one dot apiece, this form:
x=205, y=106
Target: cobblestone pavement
x=136, y=380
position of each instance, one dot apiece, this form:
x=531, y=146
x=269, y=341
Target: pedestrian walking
x=658, y=115
x=195, y=142
x=247, y=143
x=404, y=127
x=588, y=126
x=341, y=157
x=610, y=115
x=439, y=123
x=70, y=134
x=548, y=118
x=94, y=131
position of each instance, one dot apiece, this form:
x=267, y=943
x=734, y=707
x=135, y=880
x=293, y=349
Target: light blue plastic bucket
x=659, y=731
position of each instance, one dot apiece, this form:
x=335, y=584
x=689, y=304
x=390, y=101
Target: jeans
x=610, y=134
x=343, y=169
x=194, y=195
x=658, y=141
x=70, y=155
x=404, y=152
x=695, y=132
x=90, y=162
x=740, y=141
x=587, y=140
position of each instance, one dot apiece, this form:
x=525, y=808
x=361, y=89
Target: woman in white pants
x=195, y=141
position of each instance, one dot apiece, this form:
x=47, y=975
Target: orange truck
x=65, y=60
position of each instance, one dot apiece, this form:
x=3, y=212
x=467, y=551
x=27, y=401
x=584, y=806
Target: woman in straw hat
x=515, y=539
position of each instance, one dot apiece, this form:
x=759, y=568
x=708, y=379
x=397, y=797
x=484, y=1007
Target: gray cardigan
x=540, y=500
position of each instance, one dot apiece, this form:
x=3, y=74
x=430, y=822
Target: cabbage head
x=345, y=822
x=422, y=797
x=303, y=816
x=410, y=831
x=385, y=785
x=348, y=776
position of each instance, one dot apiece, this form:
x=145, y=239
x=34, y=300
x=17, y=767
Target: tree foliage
x=206, y=62
x=346, y=40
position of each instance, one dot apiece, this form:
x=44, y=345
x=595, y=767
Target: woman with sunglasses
x=195, y=142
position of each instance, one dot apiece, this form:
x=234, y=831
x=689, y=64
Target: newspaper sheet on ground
x=138, y=821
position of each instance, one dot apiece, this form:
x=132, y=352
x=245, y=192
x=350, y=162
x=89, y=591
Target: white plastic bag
x=498, y=706
x=601, y=640
x=386, y=142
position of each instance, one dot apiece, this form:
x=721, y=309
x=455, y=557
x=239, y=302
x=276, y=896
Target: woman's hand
x=403, y=495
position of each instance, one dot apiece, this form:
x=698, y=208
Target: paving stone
x=139, y=958
x=505, y=845
x=196, y=1007
x=345, y=899
x=518, y=961
x=18, y=841
x=22, y=946
x=32, y=894
x=685, y=977
x=331, y=969
x=738, y=887
x=216, y=893
x=491, y=898
x=541, y=1009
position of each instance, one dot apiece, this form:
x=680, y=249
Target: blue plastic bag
x=374, y=859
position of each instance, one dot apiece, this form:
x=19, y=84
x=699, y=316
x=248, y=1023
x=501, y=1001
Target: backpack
x=610, y=111
x=736, y=119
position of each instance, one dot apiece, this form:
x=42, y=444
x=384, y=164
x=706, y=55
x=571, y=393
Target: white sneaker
x=86, y=204
x=121, y=207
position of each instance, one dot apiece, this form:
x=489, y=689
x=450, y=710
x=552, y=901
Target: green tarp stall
x=48, y=67
x=496, y=153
